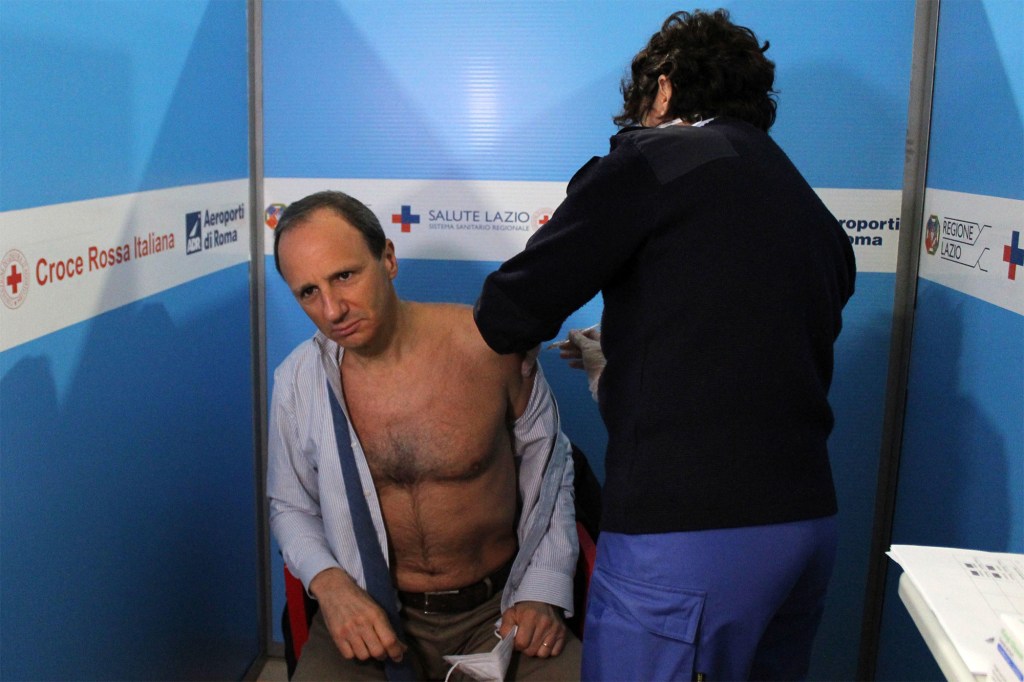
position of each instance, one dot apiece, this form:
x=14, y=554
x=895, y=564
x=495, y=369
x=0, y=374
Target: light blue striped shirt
x=309, y=509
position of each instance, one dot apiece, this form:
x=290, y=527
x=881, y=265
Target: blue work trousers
x=729, y=604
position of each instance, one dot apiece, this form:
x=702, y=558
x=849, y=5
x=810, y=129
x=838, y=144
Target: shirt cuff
x=548, y=587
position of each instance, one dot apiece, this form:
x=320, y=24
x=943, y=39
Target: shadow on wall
x=205, y=131
x=850, y=138
x=86, y=122
x=954, y=459
x=978, y=78
x=320, y=59
x=382, y=127
x=952, y=480
x=113, y=499
x=856, y=398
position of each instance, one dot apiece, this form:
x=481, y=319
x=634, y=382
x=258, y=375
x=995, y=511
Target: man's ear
x=389, y=259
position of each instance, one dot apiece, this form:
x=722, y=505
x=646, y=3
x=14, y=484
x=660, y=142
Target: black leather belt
x=460, y=600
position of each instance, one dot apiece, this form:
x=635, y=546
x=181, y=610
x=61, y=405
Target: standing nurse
x=724, y=279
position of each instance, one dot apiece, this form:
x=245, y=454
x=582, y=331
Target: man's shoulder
x=458, y=334
x=451, y=312
x=451, y=322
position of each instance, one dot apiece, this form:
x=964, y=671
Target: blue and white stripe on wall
x=491, y=220
x=65, y=263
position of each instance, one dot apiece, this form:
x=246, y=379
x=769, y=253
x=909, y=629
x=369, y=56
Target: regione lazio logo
x=14, y=268
x=193, y=232
x=1014, y=255
x=931, y=235
x=406, y=218
x=272, y=216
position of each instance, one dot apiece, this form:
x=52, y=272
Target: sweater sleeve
x=606, y=216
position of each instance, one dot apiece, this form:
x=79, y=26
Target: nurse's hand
x=591, y=357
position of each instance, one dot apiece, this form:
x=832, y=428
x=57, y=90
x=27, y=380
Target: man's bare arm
x=521, y=369
x=357, y=624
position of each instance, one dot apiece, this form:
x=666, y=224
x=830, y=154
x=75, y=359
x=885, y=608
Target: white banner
x=871, y=218
x=491, y=220
x=975, y=244
x=65, y=263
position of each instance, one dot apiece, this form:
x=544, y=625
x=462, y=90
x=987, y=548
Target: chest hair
x=433, y=423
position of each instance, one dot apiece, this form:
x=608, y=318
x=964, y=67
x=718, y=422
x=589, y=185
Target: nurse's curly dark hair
x=716, y=67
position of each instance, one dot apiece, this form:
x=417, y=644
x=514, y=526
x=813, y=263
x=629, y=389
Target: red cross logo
x=14, y=279
x=541, y=217
x=15, y=286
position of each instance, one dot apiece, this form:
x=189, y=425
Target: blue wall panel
x=962, y=470
x=118, y=96
x=978, y=140
x=127, y=493
x=127, y=477
x=526, y=91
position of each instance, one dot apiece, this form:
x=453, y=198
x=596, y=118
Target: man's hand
x=541, y=630
x=358, y=625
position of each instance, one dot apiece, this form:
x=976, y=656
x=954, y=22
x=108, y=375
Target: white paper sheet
x=967, y=590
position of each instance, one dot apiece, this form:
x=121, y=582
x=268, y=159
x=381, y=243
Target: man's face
x=339, y=284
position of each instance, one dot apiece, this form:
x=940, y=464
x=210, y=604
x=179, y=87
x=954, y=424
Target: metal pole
x=915, y=174
x=258, y=318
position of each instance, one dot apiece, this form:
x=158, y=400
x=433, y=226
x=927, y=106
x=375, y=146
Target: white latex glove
x=588, y=341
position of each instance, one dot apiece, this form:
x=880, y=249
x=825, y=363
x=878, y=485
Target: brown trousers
x=431, y=636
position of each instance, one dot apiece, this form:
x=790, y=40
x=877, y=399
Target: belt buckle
x=428, y=595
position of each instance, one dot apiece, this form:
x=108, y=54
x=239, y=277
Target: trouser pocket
x=639, y=630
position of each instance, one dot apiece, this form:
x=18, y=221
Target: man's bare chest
x=416, y=432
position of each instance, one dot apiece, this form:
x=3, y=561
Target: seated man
x=466, y=476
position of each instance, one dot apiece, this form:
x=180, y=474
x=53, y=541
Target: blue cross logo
x=406, y=218
x=1013, y=254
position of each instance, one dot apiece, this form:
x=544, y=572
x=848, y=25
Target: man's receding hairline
x=307, y=217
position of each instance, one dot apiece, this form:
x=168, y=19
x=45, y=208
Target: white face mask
x=488, y=667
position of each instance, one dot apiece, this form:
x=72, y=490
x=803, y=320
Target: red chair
x=298, y=614
x=584, y=569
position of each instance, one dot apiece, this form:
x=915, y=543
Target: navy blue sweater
x=724, y=278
